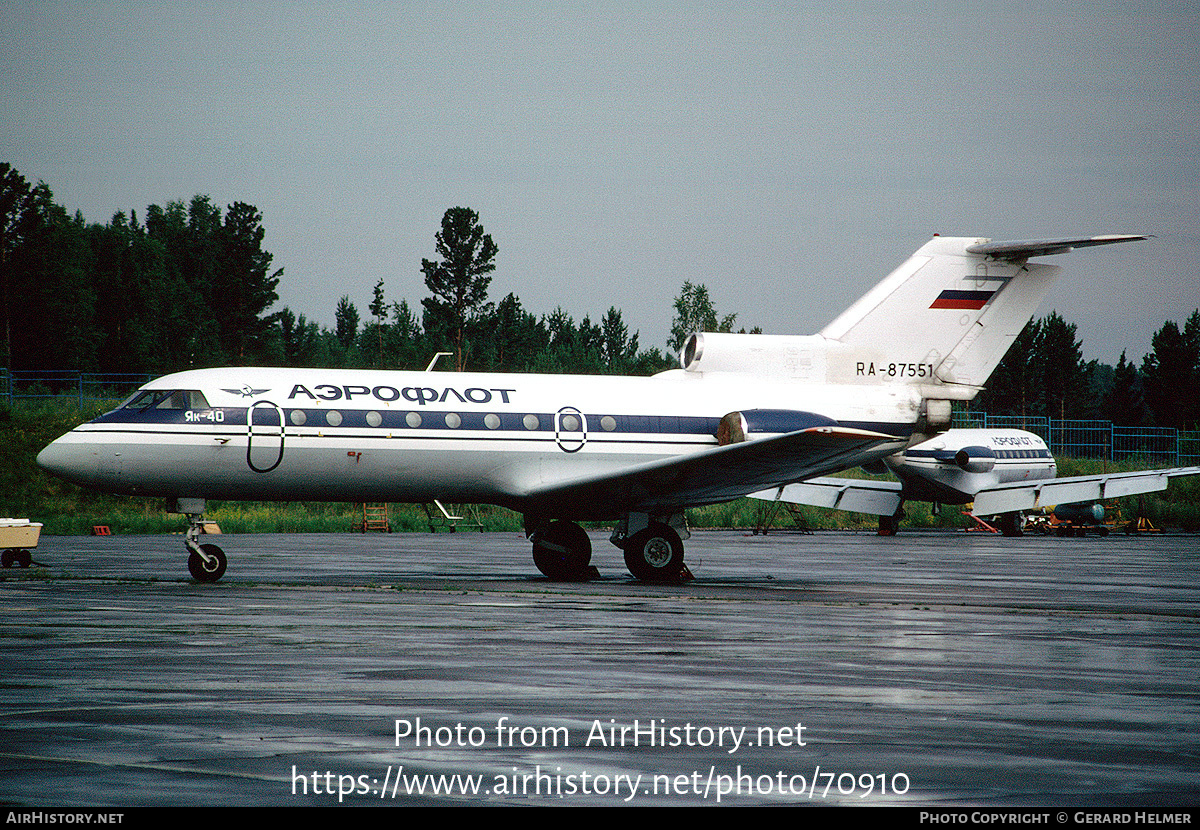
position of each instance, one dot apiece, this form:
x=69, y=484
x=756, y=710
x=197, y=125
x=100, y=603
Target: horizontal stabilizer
x=1026, y=248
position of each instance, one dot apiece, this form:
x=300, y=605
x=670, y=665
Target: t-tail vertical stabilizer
x=945, y=318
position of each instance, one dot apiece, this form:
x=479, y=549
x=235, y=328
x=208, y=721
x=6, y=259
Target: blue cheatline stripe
x=301, y=421
x=1000, y=455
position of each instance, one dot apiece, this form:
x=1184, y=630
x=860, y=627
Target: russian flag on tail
x=962, y=299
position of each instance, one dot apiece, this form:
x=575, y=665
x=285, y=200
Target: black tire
x=562, y=551
x=8, y=558
x=889, y=525
x=1010, y=524
x=207, y=571
x=655, y=554
x=24, y=558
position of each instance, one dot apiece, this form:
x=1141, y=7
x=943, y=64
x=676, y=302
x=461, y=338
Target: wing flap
x=877, y=498
x=713, y=476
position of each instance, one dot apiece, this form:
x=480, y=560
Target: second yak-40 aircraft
x=743, y=413
x=999, y=472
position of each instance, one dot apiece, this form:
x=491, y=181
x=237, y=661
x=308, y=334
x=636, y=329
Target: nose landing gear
x=206, y=562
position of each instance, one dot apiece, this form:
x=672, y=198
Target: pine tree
x=694, y=312
x=245, y=285
x=459, y=280
x=1125, y=404
x=1060, y=368
x=1169, y=373
x=346, y=317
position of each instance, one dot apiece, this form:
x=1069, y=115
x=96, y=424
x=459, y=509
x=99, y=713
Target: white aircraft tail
x=948, y=314
x=940, y=322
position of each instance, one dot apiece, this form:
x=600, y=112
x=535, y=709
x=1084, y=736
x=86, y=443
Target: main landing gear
x=562, y=551
x=1012, y=524
x=655, y=553
x=653, y=549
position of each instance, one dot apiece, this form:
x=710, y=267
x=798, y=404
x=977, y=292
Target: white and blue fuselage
x=384, y=436
x=744, y=413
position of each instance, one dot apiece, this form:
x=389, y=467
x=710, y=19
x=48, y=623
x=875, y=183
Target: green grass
x=64, y=509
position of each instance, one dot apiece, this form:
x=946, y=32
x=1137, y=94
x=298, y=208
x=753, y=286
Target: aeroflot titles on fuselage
x=420, y=395
x=1015, y=440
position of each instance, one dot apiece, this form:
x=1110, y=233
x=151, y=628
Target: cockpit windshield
x=167, y=399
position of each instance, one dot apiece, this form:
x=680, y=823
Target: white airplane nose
x=67, y=461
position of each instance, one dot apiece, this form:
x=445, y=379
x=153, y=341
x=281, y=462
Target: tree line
x=188, y=286
x=191, y=286
x=1044, y=374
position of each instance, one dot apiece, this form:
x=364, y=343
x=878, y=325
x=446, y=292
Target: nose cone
x=65, y=460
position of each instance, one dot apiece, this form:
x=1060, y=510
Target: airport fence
x=66, y=386
x=1096, y=439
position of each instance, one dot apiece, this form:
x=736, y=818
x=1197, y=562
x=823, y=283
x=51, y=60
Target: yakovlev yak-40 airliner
x=742, y=414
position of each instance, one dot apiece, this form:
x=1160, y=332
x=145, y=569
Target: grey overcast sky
x=787, y=155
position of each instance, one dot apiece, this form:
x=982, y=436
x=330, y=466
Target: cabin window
x=413, y=419
x=491, y=421
x=333, y=418
x=298, y=417
x=374, y=419
x=453, y=420
x=531, y=422
x=608, y=423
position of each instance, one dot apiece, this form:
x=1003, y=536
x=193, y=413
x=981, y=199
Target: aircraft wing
x=879, y=498
x=1033, y=495
x=715, y=475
